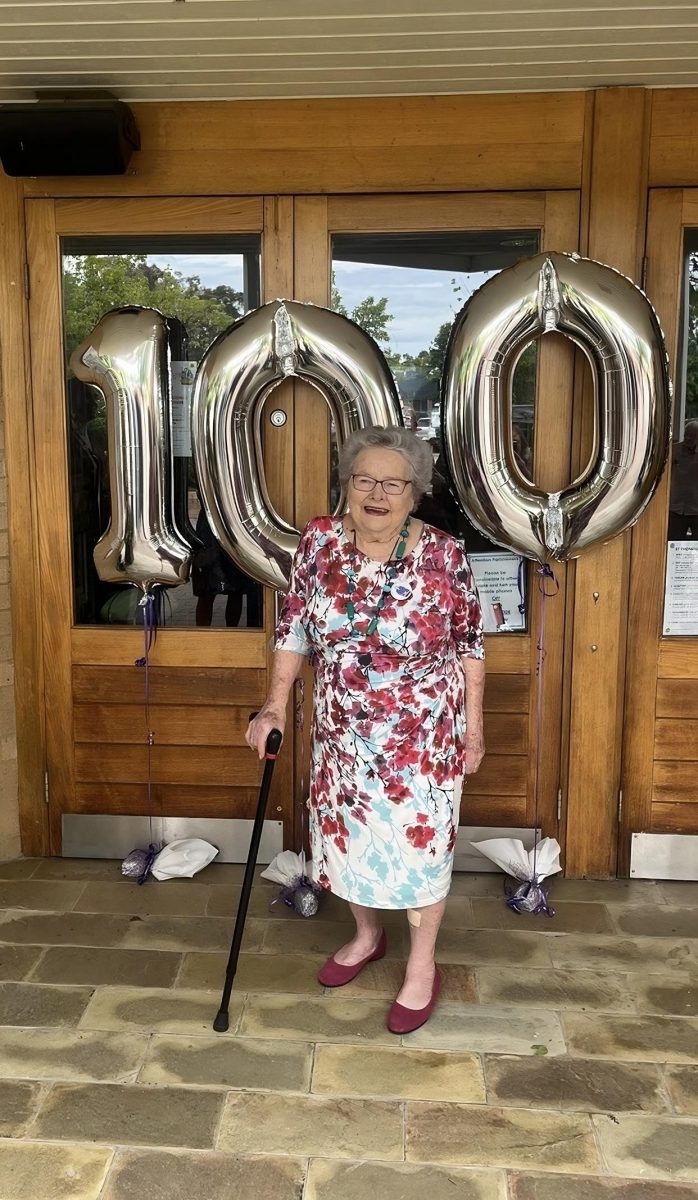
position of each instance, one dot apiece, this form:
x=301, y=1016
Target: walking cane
x=271, y=751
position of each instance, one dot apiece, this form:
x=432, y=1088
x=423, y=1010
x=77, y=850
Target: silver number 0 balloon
x=612, y=321
x=240, y=369
x=126, y=357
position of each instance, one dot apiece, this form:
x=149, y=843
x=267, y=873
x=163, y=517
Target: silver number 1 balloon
x=283, y=338
x=126, y=357
x=612, y=321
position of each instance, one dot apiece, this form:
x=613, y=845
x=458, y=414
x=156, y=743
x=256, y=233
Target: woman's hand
x=258, y=730
x=474, y=743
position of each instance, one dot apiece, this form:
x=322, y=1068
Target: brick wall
x=9, y=821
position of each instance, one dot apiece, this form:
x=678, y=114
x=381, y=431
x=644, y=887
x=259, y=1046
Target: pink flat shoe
x=334, y=974
x=406, y=1020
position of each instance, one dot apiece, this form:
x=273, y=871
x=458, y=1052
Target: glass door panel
x=202, y=284
x=405, y=289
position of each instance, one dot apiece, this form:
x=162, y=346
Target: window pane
x=202, y=284
x=681, y=593
x=405, y=290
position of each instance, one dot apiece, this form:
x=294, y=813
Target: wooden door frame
x=557, y=215
x=64, y=643
x=650, y=657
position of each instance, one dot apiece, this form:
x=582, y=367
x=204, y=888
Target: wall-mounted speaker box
x=67, y=137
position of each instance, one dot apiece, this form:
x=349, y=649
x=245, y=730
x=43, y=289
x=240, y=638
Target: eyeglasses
x=391, y=487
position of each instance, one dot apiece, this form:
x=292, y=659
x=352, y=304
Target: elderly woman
x=387, y=609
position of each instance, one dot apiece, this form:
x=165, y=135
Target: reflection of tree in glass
x=370, y=314
x=94, y=283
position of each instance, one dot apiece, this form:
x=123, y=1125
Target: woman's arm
x=286, y=667
x=474, y=672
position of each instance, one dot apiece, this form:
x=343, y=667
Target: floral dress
x=389, y=716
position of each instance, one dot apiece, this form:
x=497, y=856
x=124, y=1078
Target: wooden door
x=203, y=682
x=520, y=783
x=660, y=751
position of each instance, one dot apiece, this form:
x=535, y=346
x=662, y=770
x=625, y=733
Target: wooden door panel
x=227, y=766
x=167, y=800
x=515, y=785
x=661, y=719
x=201, y=683
x=169, y=685
x=171, y=724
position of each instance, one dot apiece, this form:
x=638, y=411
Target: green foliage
x=95, y=283
x=371, y=315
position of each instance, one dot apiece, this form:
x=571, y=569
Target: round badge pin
x=401, y=591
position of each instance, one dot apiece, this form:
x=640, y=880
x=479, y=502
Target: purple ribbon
x=531, y=896
x=148, y=603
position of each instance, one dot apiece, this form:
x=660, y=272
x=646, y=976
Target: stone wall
x=9, y=819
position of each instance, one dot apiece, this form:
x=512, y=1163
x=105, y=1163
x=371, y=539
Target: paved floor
x=562, y=1063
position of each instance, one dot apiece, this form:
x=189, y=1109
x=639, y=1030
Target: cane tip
x=221, y=1022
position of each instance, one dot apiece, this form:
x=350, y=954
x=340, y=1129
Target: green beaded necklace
x=397, y=554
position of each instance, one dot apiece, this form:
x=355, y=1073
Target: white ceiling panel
x=237, y=49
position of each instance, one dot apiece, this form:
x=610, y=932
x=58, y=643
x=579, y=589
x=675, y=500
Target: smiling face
x=375, y=515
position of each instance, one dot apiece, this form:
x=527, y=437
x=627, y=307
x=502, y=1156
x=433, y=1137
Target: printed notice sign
x=502, y=590
x=681, y=593
x=182, y=386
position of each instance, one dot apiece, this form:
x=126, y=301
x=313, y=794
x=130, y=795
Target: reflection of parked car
x=428, y=427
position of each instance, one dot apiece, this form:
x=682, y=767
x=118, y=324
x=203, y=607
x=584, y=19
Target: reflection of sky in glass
x=419, y=300
x=212, y=269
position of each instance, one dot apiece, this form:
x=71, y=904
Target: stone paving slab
x=602, y=991
x=181, y=933
x=578, y=1084
x=18, y=868
x=63, y=929
x=570, y=917
x=679, y=892
x=130, y=1116
x=157, y=1009
x=69, y=1055
x=329, y=1180
x=588, y=1187
x=651, y=920
x=164, y=1175
x=490, y=1028
x=66, y=1172
x=223, y=902
x=97, y=870
x=502, y=1137
x=651, y=956
x=682, y=1083
x=171, y=897
x=264, y=1123
x=463, y=883
x=70, y=964
x=401, y=1073
x=322, y=937
x=281, y=1066
x=34, y=1004
x=606, y=891
x=677, y=996
x=476, y=946
x=18, y=1102
x=17, y=961
x=40, y=896
x=332, y=1018
x=653, y=1147
x=641, y=1039
x=256, y=972
x=384, y=979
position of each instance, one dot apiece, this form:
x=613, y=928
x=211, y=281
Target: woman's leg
x=368, y=932
x=419, y=977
